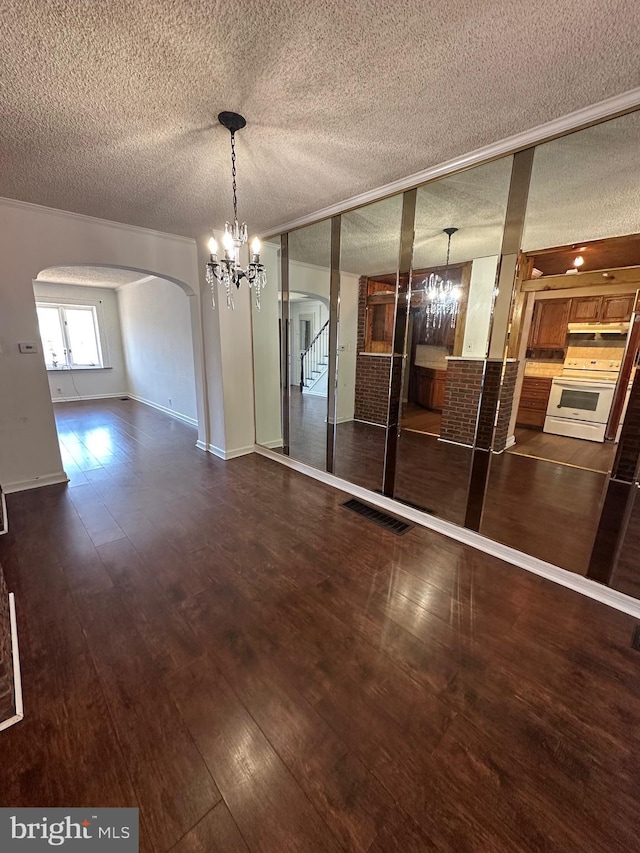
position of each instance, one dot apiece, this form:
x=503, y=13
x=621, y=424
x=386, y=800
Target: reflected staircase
x=314, y=364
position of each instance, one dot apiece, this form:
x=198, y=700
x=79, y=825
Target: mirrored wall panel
x=369, y=252
x=266, y=352
x=309, y=283
x=459, y=225
x=574, y=344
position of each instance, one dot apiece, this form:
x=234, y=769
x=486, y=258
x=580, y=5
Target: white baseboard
x=201, y=445
x=591, y=589
x=17, y=679
x=79, y=398
x=36, y=483
x=184, y=418
x=232, y=454
x=276, y=442
x=510, y=442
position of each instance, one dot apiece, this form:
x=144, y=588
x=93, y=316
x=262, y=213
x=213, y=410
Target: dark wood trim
x=284, y=340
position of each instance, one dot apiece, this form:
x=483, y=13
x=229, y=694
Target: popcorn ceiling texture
x=109, y=109
x=88, y=276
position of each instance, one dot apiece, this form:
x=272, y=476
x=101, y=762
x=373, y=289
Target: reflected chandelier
x=443, y=296
x=227, y=270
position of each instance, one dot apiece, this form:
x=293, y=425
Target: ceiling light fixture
x=443, y=296
x=227, y=271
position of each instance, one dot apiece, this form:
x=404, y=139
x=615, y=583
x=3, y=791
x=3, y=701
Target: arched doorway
x=117, y=344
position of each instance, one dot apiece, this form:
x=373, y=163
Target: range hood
x=598, y=328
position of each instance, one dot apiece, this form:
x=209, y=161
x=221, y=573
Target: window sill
x=74, y=369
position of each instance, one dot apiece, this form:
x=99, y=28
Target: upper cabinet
x=586, y=309
x=617, y=309
x=549, y=326
x=551, y=316
x=602, y=309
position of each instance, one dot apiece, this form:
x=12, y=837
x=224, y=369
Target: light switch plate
x=28, y=347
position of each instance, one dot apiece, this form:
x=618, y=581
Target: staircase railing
x=315, y=356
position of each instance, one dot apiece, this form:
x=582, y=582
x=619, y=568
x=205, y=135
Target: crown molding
x=580, y=119
x=68, y=214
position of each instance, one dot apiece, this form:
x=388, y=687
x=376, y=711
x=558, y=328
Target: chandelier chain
x=233, y=173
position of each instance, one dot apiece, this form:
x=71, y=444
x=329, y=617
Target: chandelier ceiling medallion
x=442, y=294
x=227, y=270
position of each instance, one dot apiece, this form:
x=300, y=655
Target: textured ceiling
x=87, y=276
x=109, y=109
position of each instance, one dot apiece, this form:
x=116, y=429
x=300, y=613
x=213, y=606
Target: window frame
x=69, y=363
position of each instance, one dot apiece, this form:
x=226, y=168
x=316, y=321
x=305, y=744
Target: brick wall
x=506, y=405
x=461, y=398
x=372, y=388
x=372, y=372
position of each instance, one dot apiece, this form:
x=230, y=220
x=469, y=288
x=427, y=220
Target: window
x=69, y=336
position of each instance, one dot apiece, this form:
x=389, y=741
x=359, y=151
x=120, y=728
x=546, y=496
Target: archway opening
x=118, y=350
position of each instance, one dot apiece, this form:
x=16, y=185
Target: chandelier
x=227, y=270
x=443, y=297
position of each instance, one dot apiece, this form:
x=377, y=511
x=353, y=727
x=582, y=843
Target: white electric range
x=581, y=398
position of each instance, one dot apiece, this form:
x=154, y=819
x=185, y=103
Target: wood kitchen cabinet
x=549, y=326
x=427, y=387
x=602, y=309
x=534, y=400
x=617, y=309
x=586, y=309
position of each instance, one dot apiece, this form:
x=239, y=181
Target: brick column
x=372, y=372
x=461, y=398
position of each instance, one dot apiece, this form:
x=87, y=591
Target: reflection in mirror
x=266, y=352
x=458, y=237
x=369, y=249
x=309, y=282
x=573, y=342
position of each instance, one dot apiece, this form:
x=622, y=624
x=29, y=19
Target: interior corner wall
x=33, y=238
x=156, y=335
x=228, y=365
x=347, y=347
x=110, y=381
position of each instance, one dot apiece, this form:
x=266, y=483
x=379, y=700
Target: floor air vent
x=378, y=517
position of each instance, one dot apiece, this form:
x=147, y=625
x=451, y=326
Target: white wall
x=266, y=353
x=347, y=340
x=110, y=381
x=33, y=238
x=156, y=334
x=479, y=304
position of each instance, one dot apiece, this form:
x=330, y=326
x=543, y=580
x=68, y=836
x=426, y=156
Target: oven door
x=581, y=401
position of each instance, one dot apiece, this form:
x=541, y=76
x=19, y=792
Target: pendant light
x=443, y=296
x=227, y=270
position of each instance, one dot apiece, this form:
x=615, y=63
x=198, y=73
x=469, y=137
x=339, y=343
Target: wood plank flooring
x=538, y=506
x=256, y=668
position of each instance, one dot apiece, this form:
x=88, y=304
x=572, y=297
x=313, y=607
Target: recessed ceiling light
x=578, y=261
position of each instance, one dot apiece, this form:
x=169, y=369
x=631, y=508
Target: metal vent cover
x=382, y=519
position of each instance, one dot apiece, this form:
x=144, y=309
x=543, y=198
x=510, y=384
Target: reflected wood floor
x=543, y=508
x=257, y=669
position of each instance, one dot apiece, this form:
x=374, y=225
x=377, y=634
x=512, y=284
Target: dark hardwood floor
x=542, y=507
x=590, y=455
x=222, y=645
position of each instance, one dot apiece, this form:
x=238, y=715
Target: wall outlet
x=170, y=403
x=59, y=390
